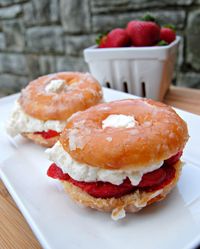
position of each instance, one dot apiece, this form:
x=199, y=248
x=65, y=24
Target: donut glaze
x=159, y=133
x=81, y=92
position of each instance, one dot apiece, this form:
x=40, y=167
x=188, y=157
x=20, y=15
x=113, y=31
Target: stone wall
x=42, y=36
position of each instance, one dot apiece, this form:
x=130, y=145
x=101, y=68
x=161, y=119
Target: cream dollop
x=55, y=86
x=21, y=122
x=87, y=173
x=119, y=121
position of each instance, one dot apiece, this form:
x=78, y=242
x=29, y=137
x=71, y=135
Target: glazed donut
x=120, y=156
x=44, y=106
x=158, y=131
x=80, y=92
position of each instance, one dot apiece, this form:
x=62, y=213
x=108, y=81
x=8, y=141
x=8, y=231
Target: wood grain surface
x=184, y=98
x=14, y=230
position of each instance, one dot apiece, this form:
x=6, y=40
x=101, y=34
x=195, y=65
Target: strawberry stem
x=162, y=43
x=99, y=37
x=170, y=26
x=147, y=17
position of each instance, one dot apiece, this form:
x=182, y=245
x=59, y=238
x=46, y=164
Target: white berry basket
x=143, y=71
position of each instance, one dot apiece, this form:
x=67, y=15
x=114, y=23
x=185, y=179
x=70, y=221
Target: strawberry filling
x=151, y=181
x=172, y=160
x=48, y=134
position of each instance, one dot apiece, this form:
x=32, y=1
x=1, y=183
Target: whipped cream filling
x=55, y=86
x=87, y=173
x=21, y=122
x=119, y=121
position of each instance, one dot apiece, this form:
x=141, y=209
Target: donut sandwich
x=120, y=156
x=42, y=110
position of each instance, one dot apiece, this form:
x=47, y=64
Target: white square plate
x=59, y=223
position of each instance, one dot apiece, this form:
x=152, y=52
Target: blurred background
x=38, y=37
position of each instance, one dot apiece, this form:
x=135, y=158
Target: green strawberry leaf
x=99, y=37
x=148, y=17
x=162, y=43
x=170, y=26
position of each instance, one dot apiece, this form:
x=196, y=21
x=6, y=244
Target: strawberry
x=101, y=40
x=114, y=39
x=174, y=159
x=167, y=34
x=47, y=134
x=55, y=172
x=143, y=33
x=151, y=181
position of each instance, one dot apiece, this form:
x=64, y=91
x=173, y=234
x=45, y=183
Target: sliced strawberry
x=155, y=177
x=150, y=181
x=167, y=34
x=96, y=189
x=174, y=159
x=170, y=174
x=105, y=189
x=55, y=172
x=48, y=134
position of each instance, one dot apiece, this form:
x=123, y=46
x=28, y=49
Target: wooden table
x=14, y=230
x=184, y=98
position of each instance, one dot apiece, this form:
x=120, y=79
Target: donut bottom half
x=131, y=202
x=38, y=139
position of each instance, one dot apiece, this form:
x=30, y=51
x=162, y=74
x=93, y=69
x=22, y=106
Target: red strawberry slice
x=174, y=159
x=167, y=34
x=170, y=174
x=143, y=33
x=55, y=172
x=115, y=38
x=105, y=189
x=153, y=178
x=48, y=134
x=97, y=189
x=150, y=181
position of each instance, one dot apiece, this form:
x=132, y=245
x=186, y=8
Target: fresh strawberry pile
x=151, y=181
x=138, y=33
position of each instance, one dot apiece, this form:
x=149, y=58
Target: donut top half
x=58, y=96
x=156, y=134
